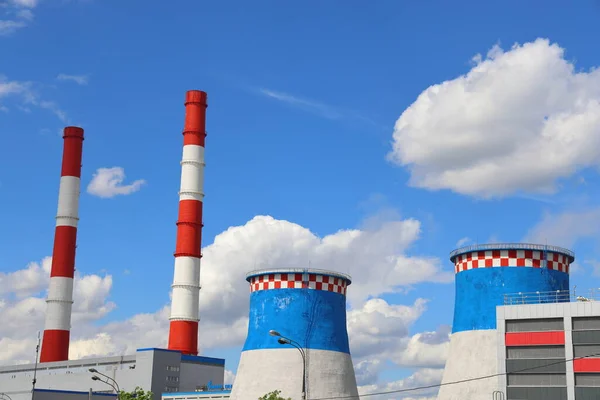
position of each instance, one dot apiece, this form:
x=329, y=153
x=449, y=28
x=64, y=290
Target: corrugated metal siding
x=535, y=366
x=586, y=337
x=587, y=393
x=535, y=325
x=586, y=323
x=537, y=379
x=587, y=379
x=539, y=352
x=536, y=393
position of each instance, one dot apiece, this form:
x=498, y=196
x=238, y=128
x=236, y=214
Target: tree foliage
x=137, y=394
x=274, y=395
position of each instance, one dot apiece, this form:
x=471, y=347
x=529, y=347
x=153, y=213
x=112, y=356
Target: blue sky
x=303, y=99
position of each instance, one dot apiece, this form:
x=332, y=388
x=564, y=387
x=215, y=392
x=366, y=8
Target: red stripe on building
x=63, y=255
x=72, y=150
x=535, y=338
x=55, y=346
x=183, y=337
x=586, y=365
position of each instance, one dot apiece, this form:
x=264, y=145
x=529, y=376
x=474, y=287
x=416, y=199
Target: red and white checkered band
x=298, y=281
x=511, y=258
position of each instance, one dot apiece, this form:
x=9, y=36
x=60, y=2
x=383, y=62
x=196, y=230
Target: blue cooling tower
x=488, y=276
x=297, y=319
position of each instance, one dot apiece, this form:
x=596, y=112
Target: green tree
x=274, y=395
x=137, y=394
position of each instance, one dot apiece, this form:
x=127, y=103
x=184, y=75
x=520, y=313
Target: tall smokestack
x=183, y=330
x=55, y=344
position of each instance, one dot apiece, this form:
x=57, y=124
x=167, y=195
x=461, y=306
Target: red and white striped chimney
x=183, y=330
x=55, y=343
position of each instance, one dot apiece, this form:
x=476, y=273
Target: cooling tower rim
x=314, y=271
x=512, y=246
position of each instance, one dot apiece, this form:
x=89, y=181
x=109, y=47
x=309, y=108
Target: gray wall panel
x=535, y=325
x=586, y=337
x=536, y=393
x=587, y=379
x=537, y=379
x=583, y=350
x=534, y=366
x=586, y=323
x=535, y=352
x=587, y=393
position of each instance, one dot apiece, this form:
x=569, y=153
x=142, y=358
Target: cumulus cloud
x=518, y=121
x=23, y=306
x=79, y=79
x=108, y=182
x=378, y=260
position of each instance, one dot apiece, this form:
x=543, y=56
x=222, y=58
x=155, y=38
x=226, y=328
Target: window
x=172, y=379
x=171, y=389
x=172, y=368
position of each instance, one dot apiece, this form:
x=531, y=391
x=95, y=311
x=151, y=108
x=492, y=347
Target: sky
x=370, y=138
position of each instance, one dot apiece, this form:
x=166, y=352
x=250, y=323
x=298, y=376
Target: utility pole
x=37, y=352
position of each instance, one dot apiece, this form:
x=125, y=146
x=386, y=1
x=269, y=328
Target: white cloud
x=26, y=96
x=404, y=388
x=380, y=333
x=229, y=377
x=518, y=121
x=23, y=306
x=324, y=110
x=79, y=79
x=108, y=182
x=566, y=228
x=15, y=14
x=463, y=242
x=316, y=107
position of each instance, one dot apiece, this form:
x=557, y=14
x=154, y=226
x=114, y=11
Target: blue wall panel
x=314, y=318
x=479, y=291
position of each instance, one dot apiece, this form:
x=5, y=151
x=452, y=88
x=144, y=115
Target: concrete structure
x=484, y=275
x=183, y=330
x=157, y=370
x=306, y=309
x=549, y=350
x=55, y=342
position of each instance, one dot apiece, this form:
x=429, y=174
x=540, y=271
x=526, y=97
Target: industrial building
x=297, y=339
x=157, y=370
x=549, y=349
x=519, y=332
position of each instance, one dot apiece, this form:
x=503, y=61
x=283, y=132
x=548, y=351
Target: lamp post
x=95, y=371
x=97, y=378
x=284, y=340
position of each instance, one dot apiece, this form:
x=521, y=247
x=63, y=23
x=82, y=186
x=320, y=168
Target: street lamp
x=284, y=340
x=95, y=371
x=97, y=378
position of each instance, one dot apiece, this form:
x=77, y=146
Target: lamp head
x=93, y=370
x=274, y=333
x=283, y=341
x=95, y=378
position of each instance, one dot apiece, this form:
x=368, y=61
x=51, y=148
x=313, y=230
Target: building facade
x=549, y=350
x=156, y=370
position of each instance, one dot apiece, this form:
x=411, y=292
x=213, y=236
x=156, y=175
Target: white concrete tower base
x=329, y=374
x=472, y=354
